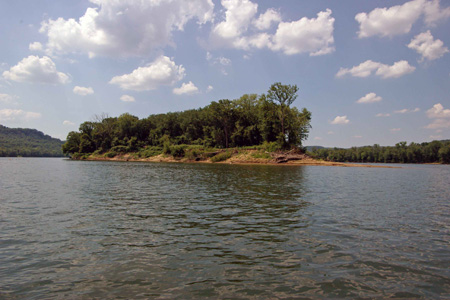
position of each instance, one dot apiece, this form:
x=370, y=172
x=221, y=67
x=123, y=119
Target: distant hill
x=28, y=142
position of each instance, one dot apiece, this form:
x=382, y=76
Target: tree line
x=433, y=152
x=28, y=143
x=248, y=121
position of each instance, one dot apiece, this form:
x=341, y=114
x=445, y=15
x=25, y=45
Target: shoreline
x=234, y=160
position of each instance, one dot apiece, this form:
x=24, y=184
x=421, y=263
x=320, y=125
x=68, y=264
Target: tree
x=285, y=95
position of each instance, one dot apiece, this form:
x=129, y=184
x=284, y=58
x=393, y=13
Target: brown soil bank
x=238, y=157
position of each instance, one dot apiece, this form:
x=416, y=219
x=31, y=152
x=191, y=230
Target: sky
x=371, y=72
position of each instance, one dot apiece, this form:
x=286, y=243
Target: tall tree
x=285, y=95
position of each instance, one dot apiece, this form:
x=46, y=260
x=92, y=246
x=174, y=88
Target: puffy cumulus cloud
x=36, y=70
x=124, y=28
x=369, y=98
x=398, y=19
x=238, y=16
x=398, y=69
x=209, y=88
x=83, y=91
x=438, y=111
x=266, y=19
x=127, y=98
x=8, y=99
x=382, y=115
x=368, y=67
x=162, y=71
x=339, y=120
x=68, y=123
x=427, y=46
x=407, y=111
x=313, y=36
x=17, y=115
x=186, y=88
x=36, y=46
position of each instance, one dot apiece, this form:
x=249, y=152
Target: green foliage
x=110, y=154
x=271, y=146
x=247, y=121
x=221, y=156
x=150, y=151
x=434, y=152
x=177, y=150
x=261, y=154
x=30, y=143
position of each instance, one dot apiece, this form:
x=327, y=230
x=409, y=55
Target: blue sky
x=369, y=71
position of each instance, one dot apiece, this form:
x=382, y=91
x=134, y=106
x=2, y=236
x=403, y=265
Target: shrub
x=110, y=154
x=192, y=154
x=221, y=156
x=271, y=147
x=150, y=151
x=119, y=149
x=177, y=150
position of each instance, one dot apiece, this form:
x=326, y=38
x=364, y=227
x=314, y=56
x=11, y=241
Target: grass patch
x=221, y=156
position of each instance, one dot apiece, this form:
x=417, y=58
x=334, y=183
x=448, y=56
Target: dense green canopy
x=247, y=121
x=434, y=152
x=28, y=142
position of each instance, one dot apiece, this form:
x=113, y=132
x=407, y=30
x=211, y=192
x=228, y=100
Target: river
x=126, y=230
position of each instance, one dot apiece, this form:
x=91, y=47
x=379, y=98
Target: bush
x=221, y=156
x=177, y=150
x=110, y=154
x=271, y=147
x=150, y=151
x=119, y=149
x=192, y=154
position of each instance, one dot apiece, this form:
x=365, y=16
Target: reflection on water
x=142, y=230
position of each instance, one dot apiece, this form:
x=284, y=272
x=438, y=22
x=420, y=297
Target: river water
x=83, y=230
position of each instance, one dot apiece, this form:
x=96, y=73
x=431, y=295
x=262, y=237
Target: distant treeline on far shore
x=433, y=152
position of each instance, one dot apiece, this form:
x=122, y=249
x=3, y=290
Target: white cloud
x=369, y=98
x=209, y=88
x=36, y=70
x=340, y=120
x=438, y=111
x=367, y=68
x=238, y=16
x=14, y=115
x=399, y=19
x=381, y=115
x=83, y=91
x=162, y=71
x=124, y=28
x=439, y=123
x=314, y=36
x=357, y=136
x=186, y=88
x=8, y=99
x=68, y=123
x=434, y=13
x=407, y=111
x=393, y=130
x=265, y=20
x=330, y=132
x=36, y=46
x=127, y=98
x=426, y=46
